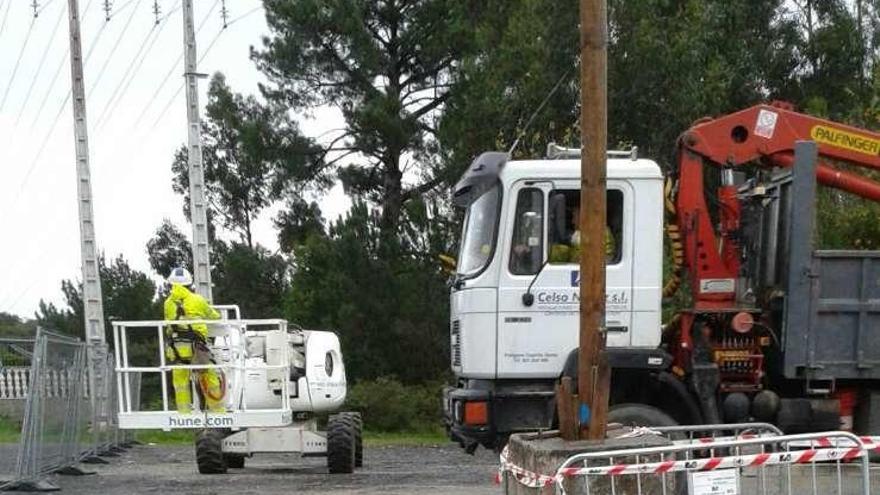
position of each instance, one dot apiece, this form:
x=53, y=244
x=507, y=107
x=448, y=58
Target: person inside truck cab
x=567, y=248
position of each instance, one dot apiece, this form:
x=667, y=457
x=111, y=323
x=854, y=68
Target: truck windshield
x=478, y=237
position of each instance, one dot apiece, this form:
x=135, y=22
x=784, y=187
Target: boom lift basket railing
x=229, y=341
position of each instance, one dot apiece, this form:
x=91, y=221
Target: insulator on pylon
x=157, y=11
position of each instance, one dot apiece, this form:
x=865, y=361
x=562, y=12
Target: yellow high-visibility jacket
x=195, y=307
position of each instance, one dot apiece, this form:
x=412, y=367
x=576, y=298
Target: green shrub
x=387, y=405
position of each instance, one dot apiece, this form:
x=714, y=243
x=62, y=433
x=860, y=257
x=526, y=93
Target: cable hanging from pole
x=131, y=72
x=18, y=60
x=39, y=67
x=201, y=58
x=112, y=51
x=170, y=71
x=45, y=142
x=55, y=77
x=5, y=15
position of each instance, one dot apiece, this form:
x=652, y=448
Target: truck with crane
x=772, y=330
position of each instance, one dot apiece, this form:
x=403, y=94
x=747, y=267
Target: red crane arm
x=762, y=134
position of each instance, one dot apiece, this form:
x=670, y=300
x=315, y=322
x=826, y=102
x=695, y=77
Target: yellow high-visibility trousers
x=208, y=380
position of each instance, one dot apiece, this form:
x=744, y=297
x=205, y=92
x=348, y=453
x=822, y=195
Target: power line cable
x=111, y=105
x=122, y=7
x=201, y=58
x=180, y=87
x=134, y=61
x=55, y=77
x=5, y=15
x=17, y=62
x=170, y=71
x=41, y=9
x=112, y=51
x=39, y=67
x=50, y=88
x=42, y=147
x=246, y=14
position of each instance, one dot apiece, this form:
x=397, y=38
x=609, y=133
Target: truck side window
x=564, y=226
x=527, y=245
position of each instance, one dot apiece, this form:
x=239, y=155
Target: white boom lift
x=276, y=378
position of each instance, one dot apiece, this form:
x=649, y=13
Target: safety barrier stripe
x=522, y=476
x=712, y=463
x=869, y=443
x=820, y=450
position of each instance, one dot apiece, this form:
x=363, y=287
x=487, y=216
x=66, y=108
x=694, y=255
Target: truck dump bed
x=832, y=310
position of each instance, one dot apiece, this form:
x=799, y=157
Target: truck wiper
x=528, y=298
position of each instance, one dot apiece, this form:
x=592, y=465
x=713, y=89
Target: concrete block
x=544, y=453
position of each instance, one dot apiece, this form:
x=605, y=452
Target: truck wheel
x=639, y=415
x=209, y=452
x=234, y=461
x=341, y=443
x=644, y=415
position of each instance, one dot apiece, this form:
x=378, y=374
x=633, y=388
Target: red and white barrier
x=713, y=463
x=822, y=449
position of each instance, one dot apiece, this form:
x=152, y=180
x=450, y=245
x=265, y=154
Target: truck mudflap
x=481, y=412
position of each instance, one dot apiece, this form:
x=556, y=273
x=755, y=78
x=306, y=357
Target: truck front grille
x=456, y=343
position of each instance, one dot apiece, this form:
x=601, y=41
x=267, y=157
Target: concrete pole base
x=543, y=453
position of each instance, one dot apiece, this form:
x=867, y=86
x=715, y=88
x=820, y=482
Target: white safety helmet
x=180, y=275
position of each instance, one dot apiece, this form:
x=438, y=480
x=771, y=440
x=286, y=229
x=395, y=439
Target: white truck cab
x=514, y=300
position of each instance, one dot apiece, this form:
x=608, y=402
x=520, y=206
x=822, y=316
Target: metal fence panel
x=49, y=439
x=737, y=463
x=15, y=370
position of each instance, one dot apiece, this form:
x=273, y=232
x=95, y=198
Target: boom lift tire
x=341, y=443
x=209, y=452
x=359, y=438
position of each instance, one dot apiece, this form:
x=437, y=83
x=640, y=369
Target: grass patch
x=10, y=431
x=173, y=437
x=404, y=438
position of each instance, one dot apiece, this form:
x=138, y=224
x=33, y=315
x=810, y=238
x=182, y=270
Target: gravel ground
x=388, y=470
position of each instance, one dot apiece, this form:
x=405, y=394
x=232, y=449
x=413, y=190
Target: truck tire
x=341, y=443
x=234, y=461
x=639, y=415
x=644, y=415
x=209, y=452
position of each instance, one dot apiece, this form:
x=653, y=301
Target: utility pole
x=92, y=301
x=198, y=209
x=93, y=306
x=593, y=371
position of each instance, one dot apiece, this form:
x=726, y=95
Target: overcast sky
x=135, y=124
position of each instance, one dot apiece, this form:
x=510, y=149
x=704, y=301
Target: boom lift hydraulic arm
x=764, y=135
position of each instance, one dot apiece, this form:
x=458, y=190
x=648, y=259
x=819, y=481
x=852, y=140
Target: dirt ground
x=388, y=470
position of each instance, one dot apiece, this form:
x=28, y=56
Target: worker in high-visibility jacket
x=187, y=343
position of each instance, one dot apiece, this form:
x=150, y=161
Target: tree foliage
x=389, y=67
x=252, y=155
x=391, y=317
x=128, y=295
x=14, y=326
x=423, y=86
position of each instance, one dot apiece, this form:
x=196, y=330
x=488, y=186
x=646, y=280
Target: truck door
x=533, y=341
